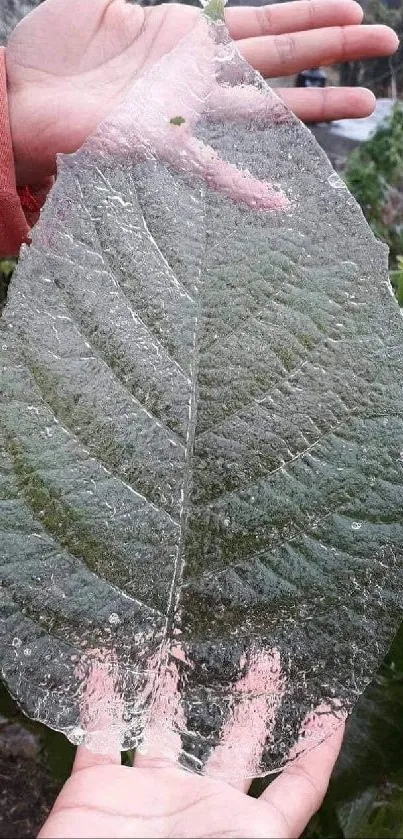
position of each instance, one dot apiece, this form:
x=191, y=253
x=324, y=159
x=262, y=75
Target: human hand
x=156, y=798
x=70, y=62
x=106, y=799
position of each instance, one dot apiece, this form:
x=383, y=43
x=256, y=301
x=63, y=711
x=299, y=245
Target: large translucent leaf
x=201, y=430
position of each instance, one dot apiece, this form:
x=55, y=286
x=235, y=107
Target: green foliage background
x=376, y=73
x=374, y=174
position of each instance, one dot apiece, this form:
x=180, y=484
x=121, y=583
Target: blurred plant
x=374, y=174
x=397, y=279
x=6, y=270
x=382, y=75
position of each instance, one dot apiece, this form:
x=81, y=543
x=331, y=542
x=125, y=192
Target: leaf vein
x=97, y=459
x=98, y=355
x=113, y=273
x=282, y=467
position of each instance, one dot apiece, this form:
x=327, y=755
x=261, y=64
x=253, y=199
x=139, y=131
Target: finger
x=101, y=709
x=245, y=103
x=300, y=789
x=260, y=691
x=318, y=725
x=237, y=184
x=244, y=22
x=286, y=54
x=85, y=759
x=325, y=104
x=161, y=744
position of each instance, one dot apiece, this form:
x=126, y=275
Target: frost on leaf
x=201, y=430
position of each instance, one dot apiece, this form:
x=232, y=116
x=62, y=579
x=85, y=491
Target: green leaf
x=11, y=14
x=385, y=819
x=214, y=9
x=397, y=280
x=200, y=428
x=6, y=270
x=177, y=120
x=373, y=173
x=355, y=812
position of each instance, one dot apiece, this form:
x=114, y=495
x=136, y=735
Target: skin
x=155, y=798
x=69, y=63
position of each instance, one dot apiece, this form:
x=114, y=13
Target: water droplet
x=356, y=525
x=114, y=618
x=226, y=522
x=16, y=642
x=336, y=181
x=76, y=735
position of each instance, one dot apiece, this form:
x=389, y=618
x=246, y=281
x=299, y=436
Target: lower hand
x=157, y=799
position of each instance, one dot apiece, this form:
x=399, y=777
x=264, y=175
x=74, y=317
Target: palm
x=73, y=62
x=155, y=799
x=109, y=801
x=69, y=63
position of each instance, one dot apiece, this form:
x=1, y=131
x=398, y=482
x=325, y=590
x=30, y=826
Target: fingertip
x=389, y=39
x=357, y=12
x=367, y=101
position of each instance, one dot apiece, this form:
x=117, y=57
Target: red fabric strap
x=19, y=207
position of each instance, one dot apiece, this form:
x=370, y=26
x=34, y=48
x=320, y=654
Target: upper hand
x=70, y=62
